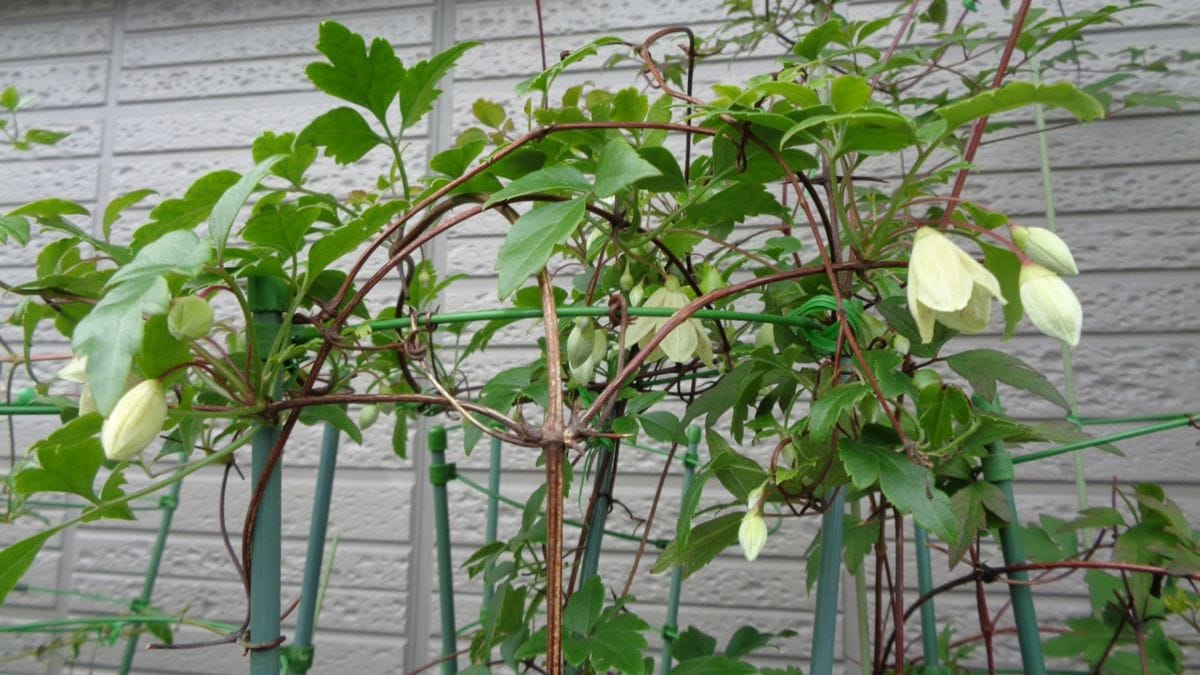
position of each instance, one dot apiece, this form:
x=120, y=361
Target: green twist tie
x=670, y=632
x=138, y=606
x=998, y=467
x=691, y=459
x=296, y=659
x=167, y=502
x=442, y=474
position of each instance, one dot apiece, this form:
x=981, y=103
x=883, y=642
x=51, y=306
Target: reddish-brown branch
x=554, y=437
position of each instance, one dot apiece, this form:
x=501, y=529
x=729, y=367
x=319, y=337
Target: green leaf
x=584, y=606
x=488, y=113
x=907, y=486
x=541, y=82
x=706, y=541
x=9, y=98
x=828, y=409
x=111, y=334
x=186, y=213
x=618, y=645
x=343, y=133
x=16, y=227
x=849, y=93
x=161, y=351
x=45, y=136
x=67, y=461
x=528, y=245
x=662, y=426
x=112, y=212
x=747, y=639
x=738, y=473
x=693, y=643
x=300, y=155
x=984, y=367
x=620, y=166
x=338, y=243
x=369, y=79
x=713, y=665
x=225, y=211
x=418, y=89
x=332, y=414
x=1020, y=94
x=47, y=208
x=970, y=507
x=281, y=227
x=714, y=402
x=16, y=559
x=549, y=180
x=1006, y=267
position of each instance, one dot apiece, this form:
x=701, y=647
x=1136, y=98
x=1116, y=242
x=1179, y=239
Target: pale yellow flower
x=686, y=341
x=948, y=286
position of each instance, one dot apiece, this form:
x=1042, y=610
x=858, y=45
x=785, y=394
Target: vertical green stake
x=998, y=470
x=595, y=534
x=168, y=504
x=929, y=632
x=671, y=629
x=268, y=300
x=493, y=514
x=299, y=656
x=828, y=578
x=441, y=473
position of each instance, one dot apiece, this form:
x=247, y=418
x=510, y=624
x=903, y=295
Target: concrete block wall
x=157, y=92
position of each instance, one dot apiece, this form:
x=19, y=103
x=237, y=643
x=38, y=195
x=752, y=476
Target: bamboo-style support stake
x=441, y=473
x=670, y=629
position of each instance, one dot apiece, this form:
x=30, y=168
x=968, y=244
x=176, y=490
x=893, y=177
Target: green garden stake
x=595, y=532
x=929, y=632
x=299, y=655
x=441, y=473
x=998, y=470
x=493, y=514
x=828, y=578
x=670, y=629
x=268, y=300
x=168, y=504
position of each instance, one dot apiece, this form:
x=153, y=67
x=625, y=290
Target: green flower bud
x=190, y=318
x=1050, y=304
x=368, y=415
x=752, y=534
x=1045, y=248
x=135, y=422
x=636, y=295
x=766, y=336
x=626, y=280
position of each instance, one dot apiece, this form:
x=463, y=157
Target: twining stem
x=553, y=444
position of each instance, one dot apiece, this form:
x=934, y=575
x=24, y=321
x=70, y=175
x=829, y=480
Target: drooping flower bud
x=368, y=415
x=190, y=318
x=765, y=336
x=636, y=295
x=1045, y=248
x=587, y=345
x=135, y=421
x=626, y=280
x=752, y=534
x=1051, y=304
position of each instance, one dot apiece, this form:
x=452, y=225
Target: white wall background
x=157, y=92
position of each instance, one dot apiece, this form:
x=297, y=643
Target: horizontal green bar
x=15, y=409
x=1091, y=443
x=71, y=625
x=513, y=314
x=1138, y=419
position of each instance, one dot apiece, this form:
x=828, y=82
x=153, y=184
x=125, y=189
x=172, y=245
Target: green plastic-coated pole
x=493, y=514
x=268, y=300
x=18, y=409
x=441, y=473
x=595, y=532
x=998, y=470
x=168, y=504
x=929, y=633
x=670, y=629
x=828, y=579
x=299, y=655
